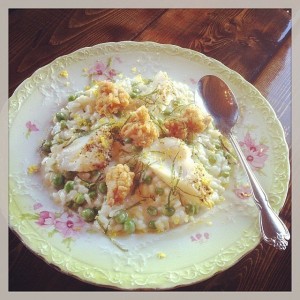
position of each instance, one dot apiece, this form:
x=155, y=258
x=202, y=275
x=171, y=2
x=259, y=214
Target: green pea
x=88, y=214
x=135, y=92
x=190, y=209
x=152, y=225
x=169, y=211
x=61, y=116
x=92, y=195
x=152, y=210
x=227, y=156
x=147, y=81
x=147, y=179
x=63, y=124
x=212, y=159
x=224, y=174
x=58, y=180
x=46, y=146
x=79, y=198
x=121, y=216
x=102, y=187
x=71, y=98
x=167, y=111
x=159, y=191
x=127, y=140
x=129, y=226
x=69, y=185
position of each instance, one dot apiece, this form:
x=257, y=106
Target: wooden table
x=256, y=43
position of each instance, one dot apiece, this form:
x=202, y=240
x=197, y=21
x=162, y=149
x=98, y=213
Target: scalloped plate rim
x=33, y=247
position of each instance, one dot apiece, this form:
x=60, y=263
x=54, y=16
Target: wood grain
x=254, y=42
x=278, y=88
x=242, y=39
x=39, y=36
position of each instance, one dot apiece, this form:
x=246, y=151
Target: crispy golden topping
x=119, y=180
x=195, y=120
x=176, y=128
x=191, y=121
x=140, y=128
x=110, y=98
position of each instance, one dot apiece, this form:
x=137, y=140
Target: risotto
x=135, y=156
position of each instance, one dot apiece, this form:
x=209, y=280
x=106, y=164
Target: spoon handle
x=273, y=230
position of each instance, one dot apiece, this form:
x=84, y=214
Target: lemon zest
x=32, y=169
x=64, y=74
x=161, y=255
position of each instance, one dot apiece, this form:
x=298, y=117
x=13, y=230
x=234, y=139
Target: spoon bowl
x=221, y=104
x=219, y=101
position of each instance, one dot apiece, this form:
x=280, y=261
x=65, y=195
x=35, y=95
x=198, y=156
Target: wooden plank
x=39, y=36
x=255, y=43
x=244, y=40
x=275, y=84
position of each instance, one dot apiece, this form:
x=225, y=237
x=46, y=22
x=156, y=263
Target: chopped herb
x=46, y=146
x=110, y=238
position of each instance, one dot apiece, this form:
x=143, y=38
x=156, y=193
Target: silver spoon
x=220, y=102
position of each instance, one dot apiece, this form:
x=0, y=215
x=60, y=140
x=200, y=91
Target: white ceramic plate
x=188, y=254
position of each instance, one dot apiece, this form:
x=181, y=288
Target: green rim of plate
x=167, y=279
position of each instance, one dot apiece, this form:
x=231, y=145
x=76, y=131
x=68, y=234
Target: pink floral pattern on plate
x=31, y=127
x=256, y=154
x=103, y=70
x=46, y=218
x=68, y=224
x=243, y=191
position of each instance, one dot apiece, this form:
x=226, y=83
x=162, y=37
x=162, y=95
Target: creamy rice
x=135, y=156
